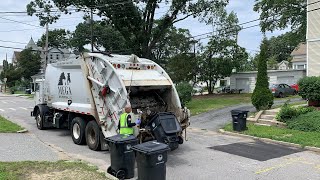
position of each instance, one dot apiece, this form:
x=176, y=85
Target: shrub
x=262, y=98
x=306, y=122
x=184, y=91
x=288, y=112
x=309, y=88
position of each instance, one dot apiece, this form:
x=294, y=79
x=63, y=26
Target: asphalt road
x=206, y=154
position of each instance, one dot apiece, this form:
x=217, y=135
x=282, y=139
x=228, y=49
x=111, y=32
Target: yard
x=205, y=103
x=49, y=170
x=303, y=129
x=7, y=126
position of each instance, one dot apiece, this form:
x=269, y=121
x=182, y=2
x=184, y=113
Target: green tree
x=11, y=73
x=59, y=38
x=272, y=63
x=280, y=47
x=282, y=14
x=176, y=41
x=104, y=36
x=135, y=20
x=182, y=68
x=29, y=63
x=222, y=54
x=262, y=97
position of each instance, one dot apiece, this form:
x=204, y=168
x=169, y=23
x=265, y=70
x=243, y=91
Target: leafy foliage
x=11, y=73
x=29, y=63
x=222, y=54
x=182, y=68
x=287, y=112
x=175, y=42
x=309, y=88
x=184, y=91
x=104, y=36
x=58, y=38
x=282, y=14
x=135, y=20
x=309, y=122
x=262, y=97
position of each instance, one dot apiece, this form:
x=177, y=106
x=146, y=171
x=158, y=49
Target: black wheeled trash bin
x=122, y=155
x=151, y=160
x=239, y=120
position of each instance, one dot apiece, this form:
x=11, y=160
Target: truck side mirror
x=69, y=102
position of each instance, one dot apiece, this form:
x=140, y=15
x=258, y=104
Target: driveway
x=215, y=119
x=206, y=155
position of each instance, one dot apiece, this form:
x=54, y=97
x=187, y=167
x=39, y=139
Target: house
x=15, y=57
x=313, y=38
x=299, y=57
x=247, y=80
x=283, y=65
x=54, y=54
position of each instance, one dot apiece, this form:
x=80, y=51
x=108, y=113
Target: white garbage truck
x=88, y=93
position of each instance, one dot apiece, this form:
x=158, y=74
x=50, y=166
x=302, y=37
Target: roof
x=301, y=49
x=31, y=44
x=283, y=62
x=287, y=70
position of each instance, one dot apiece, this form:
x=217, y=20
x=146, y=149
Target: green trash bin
x=121, y=155
x=151, y=160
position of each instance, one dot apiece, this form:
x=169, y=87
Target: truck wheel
x=78, y=126
x=39, y=120
x=93, y=136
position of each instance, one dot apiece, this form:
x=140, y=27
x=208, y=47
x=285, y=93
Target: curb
x=310, y=148
x=23, y=131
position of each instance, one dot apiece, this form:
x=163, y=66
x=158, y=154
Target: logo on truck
x=64, y=88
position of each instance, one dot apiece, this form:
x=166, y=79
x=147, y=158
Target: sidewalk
x=24, y=147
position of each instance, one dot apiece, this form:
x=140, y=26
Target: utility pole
x=91, y=24
x=46, y=48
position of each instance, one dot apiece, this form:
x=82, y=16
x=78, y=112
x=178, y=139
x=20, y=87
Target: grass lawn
x=282, y=134
x=49, y=170
x=200, y=104
x=205, y=103
x=7, y=126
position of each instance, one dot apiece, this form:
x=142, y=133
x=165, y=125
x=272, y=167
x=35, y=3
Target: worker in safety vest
x=125, y=124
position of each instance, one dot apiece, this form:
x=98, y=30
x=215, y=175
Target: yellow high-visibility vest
x=124, y=129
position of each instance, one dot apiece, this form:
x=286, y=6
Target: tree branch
x=181, y=19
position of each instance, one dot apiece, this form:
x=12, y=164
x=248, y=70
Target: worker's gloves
x=138, y=121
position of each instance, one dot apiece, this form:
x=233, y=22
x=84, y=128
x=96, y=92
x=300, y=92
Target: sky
x=20, y=33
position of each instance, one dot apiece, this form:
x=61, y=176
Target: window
x=57, y=56
x=223, y=82
x=300, y=67
x=51, y=56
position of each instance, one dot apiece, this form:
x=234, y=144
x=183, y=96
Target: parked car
x=295, y=86
x=282, y=90
x=197, y=89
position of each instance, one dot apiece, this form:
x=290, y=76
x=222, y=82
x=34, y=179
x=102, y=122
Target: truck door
x=39, y=92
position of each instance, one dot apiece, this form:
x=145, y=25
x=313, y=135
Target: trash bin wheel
x=109, y=170
x=121, y=174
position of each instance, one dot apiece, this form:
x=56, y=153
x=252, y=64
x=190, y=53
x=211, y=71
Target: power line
x=19, y=22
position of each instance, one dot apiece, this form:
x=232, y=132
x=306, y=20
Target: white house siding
x=274, y=76
x=313, y=38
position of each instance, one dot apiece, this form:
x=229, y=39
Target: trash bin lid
x=151, y=147
x=121, y=138
x=238, y=111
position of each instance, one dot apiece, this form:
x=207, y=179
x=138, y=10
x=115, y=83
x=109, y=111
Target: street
x=206, y=155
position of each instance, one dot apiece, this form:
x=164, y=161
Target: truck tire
x=93, y=136
x=39, y=120
x=78, y=126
